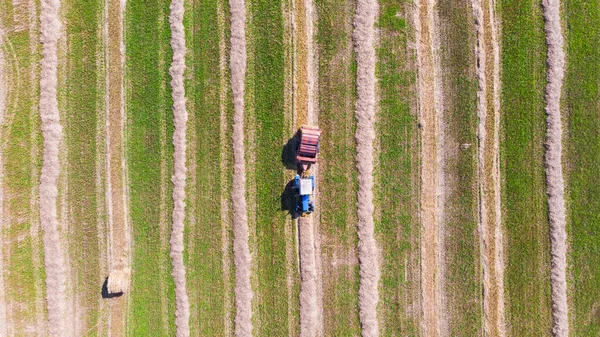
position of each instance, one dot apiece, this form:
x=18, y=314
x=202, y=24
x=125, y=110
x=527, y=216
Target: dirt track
x=313, y=119
x=52, y=132
x=554, y=170
x=311, y=322
x=489, y=173
x=241, y=249
x=309, y=312
x=364, y=42
x=182, y=312
x=428, y=115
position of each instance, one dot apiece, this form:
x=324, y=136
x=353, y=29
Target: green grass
x=582, y=142
x=463, y=288
x=337, y=182
x=396, y=189
x=526, y=254
x=21, y=156
x=206, y=285
x=80, y=120
x=148, y=109
x=266, y=83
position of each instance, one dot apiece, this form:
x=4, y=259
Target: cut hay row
x=428, y=115
x=554, y=170
x=119, y=240
x=498, y=232
x=35, y=156
x=3, y=90
x=489, y=178
x=182, y=312
x=364, y=42
x=241, y=249
x=57, y=304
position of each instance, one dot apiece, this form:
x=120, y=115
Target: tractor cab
x=304, y=188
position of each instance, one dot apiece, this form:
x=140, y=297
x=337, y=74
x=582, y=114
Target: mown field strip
x=149, y=156
x=100, y=174
x=182, y=311
x=337, y=178
x=524, y=213
x=57, y=302
x=457, y=157
x=292, y=31
x=396, y=171
x=428, y=111
x=81, y=117
x=266, y=132
x=488, y=170
x=554, y=171
x=21, y=143
x=364, y=41
x=225, y=165
x=165, y=226
x=581, y=23
x=208, y=250
x=241, y=249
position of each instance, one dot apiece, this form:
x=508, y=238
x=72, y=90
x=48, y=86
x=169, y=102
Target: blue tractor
x=304, y=188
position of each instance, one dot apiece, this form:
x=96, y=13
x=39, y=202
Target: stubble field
x=456, y=185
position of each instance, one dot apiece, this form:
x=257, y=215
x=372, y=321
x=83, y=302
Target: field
x=147, y=150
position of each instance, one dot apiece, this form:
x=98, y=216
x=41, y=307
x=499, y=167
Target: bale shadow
x=288, y=153
x=106, y=294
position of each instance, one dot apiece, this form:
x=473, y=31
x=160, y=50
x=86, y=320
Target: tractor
x=304, y=188
x=304, y=182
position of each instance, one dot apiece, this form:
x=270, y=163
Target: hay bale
x=118, y=281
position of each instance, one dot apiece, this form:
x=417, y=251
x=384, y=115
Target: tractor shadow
x=288, y=200
x=288, y=160
x=106, y=294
